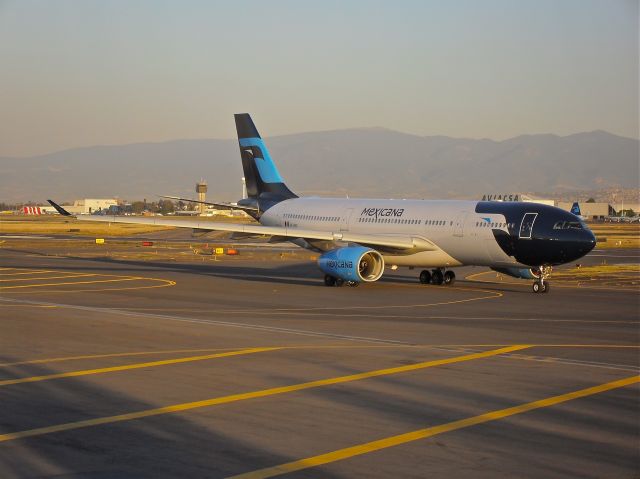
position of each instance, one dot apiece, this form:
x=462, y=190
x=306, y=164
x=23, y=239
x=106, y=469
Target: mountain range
x=355, y=162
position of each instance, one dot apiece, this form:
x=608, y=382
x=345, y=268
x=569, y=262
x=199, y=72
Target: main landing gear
x=333, y=281
x=437, y=276
x=540, y=285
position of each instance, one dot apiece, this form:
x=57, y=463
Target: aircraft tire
x=425, y=277
x=339, y=282
x=329, y=280
x=536, y=287
x=449, y=278
x=437, y=277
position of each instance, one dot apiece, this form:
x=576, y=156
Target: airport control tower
x=201, y=189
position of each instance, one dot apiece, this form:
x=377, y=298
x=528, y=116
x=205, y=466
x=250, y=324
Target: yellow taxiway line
x=66, y=276
x=35, y=271
x=164, y=362
x=304, y=346
x=116, y=279
x=392, y=441
x=252, y=395
x=113, y=355
x=606, y=287
x=126, y=278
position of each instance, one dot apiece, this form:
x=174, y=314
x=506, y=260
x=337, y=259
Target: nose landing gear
x=540, y=285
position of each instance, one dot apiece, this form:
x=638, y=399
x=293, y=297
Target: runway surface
x=120, y=368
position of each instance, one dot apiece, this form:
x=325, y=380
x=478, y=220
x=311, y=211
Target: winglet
x=59, y=209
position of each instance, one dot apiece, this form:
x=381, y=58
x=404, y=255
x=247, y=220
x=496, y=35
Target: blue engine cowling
x=522, y=273
x=353, y=263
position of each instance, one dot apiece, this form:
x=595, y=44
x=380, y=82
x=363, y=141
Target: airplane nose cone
x=589, y=241
x=580, y=246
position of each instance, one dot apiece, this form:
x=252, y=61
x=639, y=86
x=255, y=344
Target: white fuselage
x=462, y=236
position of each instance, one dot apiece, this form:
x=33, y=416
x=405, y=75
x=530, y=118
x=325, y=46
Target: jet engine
x=521, y=273
x=353, y=264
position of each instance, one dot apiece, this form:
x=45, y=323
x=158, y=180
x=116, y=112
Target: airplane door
x=458, y=224
x=527, y=225
x=344, y=223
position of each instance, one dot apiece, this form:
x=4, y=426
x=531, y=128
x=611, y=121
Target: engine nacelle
x=353, y=263
x=521, y=273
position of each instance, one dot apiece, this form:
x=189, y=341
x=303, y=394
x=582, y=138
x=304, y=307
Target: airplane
x=358, y=238
x=575, y=209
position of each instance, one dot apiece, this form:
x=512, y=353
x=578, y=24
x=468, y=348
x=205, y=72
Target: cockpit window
x=566, y=225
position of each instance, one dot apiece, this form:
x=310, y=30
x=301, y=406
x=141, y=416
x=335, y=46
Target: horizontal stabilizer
x=222, y=206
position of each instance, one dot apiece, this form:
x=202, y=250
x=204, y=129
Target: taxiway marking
x=333, y=313
x=392, y=441
x=211, y=322
x=300, y=332
x=494, y=295
x=363, y=315
x=116, y=279
x=344, y=346
x=129, y=278
x=36, y=271
x=164, y=362
x=112, y=355
x=474, y=278
x=253, y=394
x=66, y=276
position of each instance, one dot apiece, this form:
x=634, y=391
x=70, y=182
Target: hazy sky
x=79, y=73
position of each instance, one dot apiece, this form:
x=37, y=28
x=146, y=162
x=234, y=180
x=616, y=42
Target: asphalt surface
x=118, y=368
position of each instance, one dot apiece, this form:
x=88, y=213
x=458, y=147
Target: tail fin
x=575, y=209
x=59, y=208
x=261, y=175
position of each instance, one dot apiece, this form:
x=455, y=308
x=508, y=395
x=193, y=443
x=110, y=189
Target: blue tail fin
x=575, y=209
x=261, y=175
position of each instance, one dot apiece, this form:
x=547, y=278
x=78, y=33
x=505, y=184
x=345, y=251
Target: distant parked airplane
x=575, y=209
x=357, y=238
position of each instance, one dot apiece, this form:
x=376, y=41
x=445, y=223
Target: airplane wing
x=400, y=242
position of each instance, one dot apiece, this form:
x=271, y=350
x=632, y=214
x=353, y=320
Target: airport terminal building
x=591, y=211
x=89, y=206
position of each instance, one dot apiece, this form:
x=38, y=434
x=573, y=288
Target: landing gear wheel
x=339, y=282
x=449, y=278
x=329, y=280
x=353, y=284
x=437, y=277
x=425, y=277
x=541, y=285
